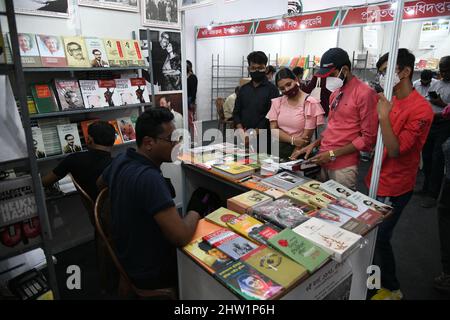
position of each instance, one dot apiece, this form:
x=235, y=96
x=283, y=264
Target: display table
x=332, y=281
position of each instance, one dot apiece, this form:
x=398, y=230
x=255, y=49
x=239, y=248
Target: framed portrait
x=50, y=8
x=189, y=4
x=123, y=5
x=160, y=13
x=166, y=59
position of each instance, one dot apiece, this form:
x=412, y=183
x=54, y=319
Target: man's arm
x=178, y=230
x=389, y=139
x=237, y=112
x=50, y=179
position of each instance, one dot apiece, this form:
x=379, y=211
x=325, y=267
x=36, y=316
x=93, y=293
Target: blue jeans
x=384, y=255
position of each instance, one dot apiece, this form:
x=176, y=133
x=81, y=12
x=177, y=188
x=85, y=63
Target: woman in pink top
x=295, y=114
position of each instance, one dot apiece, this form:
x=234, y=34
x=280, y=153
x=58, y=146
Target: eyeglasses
x=173, y=140
x=336, y=100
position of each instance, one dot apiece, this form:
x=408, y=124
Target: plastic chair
x=103, y=225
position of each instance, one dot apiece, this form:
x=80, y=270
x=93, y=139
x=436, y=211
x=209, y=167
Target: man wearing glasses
x=146, y=226
x=352, y=121
x=254, y=99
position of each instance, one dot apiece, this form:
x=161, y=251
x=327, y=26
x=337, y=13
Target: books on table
x=244, y=224
x=243, y=202
x=51, y=49
x=333, y=217
x=76, y=52
x=69, y=138
x=336, y=189
x=338, y=242
x=44, y=98
x=360, y=212
x=69, y=94
x=233, y=170
x=263, y=233
x=126, y=128
x=284, y=180
x=221, y=216
x=308, y=195
x=299, y=249
x=359, y=199
x=96, y=52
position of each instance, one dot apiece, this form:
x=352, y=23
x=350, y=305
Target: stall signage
x=308, y=21
x=237, y=29
x=385, y=13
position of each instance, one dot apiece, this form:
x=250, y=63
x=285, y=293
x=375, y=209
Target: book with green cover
x=275, y=265
x=299, y=249
x=44, y=98
x=221, y=216
x=244, y=224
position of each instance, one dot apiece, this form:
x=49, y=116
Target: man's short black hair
x=404, y=59
x=444, y=62
x=149, y=123
x=95, y=50
x=271, y=69
x=257, y=57
x=68, y=135
x=426, y=75
x=298, y=71
x=74, y=43
x=103, y=133
x=236, y=90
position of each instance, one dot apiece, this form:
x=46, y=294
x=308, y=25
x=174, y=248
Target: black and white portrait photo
x=160, y=13
x=124, y=5
x=49, y=8
x=166, y=59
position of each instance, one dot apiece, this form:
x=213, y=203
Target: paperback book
x=221, y=216
x=96, y=52
x=230, y=243
x=284, y=180
x=123, y=90
x=242, y=203
x=233, y=170
x=44, y=98
x=114, y=53
x=51, y=50
x=69, y=94
x=359, y=199
x=126, y=129
x=91, y=94
x=264, y=232
x=76, y=52
x=244, y=224
x=69, y=138
x=336, y=189
x=28, y=49
x=108, y=94
x=139, y=89
x=38, y=143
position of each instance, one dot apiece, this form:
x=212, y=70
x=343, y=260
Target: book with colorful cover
x=254, y=183
x=114, y=53
x=69, y=138
x=336, y=189
x=299, y=249
x=38, y=142
x=233, y=170
x=275, y=265
x=29, y=50
x=356, y=226
x=333, y=217
x=361, y=199
x=108, y=94
x=338, y=242
x=85, y=126
x=91, y=94
x=221, y=216
x=51, y=49
x=123, y=90
x=132, y=53
x=69, y=94
x=360, y=212
x=126, y=129
x=118, y=135
x=312, y=185
x=96, y=52
x=44, y=98
x=50, y=134
x=248, y=283
x=76, y=52
x=318, y=199
x=207, y=256
x=230, y=243
x=242, y=203
x=139, y=89
x=284, y=212
x=264, y=232
x=284, y=180
x=244, y=224
x=274, y=193
x=31, y=105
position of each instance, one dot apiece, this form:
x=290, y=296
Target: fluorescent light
x=279, y=22
x=410, y=12
x=302, y=26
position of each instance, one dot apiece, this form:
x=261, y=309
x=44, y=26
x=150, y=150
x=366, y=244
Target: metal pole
x=212, y=84
x=37, y=184
x=184, y=74
x=150, y=68
x=393, y=52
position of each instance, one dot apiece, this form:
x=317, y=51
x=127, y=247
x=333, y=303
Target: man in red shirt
x=352, y=121
x=404, y=124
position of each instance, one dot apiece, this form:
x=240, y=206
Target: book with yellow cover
x=312, y=185
x=132, y=53
x=317, y=199
x=233, y=170
x=115, y=53
x=275, y=265
x=244, y=224
x=245, y=201
x=76, y=52
x=221, y=216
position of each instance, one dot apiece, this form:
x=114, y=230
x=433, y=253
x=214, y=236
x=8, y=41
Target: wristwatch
x=332, y=155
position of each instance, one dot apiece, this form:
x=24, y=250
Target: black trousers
x=433, y=157
x=444, y=224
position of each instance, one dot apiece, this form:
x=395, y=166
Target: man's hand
x=384, y=107
x=321, y=158
x=306, y=151
x=438, y=102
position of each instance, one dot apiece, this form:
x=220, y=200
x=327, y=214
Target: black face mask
x=257, y=76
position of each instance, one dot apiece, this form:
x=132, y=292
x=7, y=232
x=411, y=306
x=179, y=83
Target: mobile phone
x=433, y=94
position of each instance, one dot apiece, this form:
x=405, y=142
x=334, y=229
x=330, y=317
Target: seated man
x=146, y=226
x=86, y=167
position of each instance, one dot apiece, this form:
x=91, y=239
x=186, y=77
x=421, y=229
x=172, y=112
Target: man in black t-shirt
x=86, y=167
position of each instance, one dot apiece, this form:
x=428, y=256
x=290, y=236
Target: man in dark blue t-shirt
x=146, y=226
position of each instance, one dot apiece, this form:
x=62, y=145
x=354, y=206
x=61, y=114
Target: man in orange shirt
x=405, y=123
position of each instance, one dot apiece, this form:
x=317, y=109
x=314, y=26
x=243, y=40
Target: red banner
x=225, y=31
x=308, y=21
x=386, y=13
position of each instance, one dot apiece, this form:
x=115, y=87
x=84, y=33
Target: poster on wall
x=160, y=13
x=173, y=101
x=189, y=4
x=124, y=5
x=49, y=8
x=166, y=59
x=433, y=33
